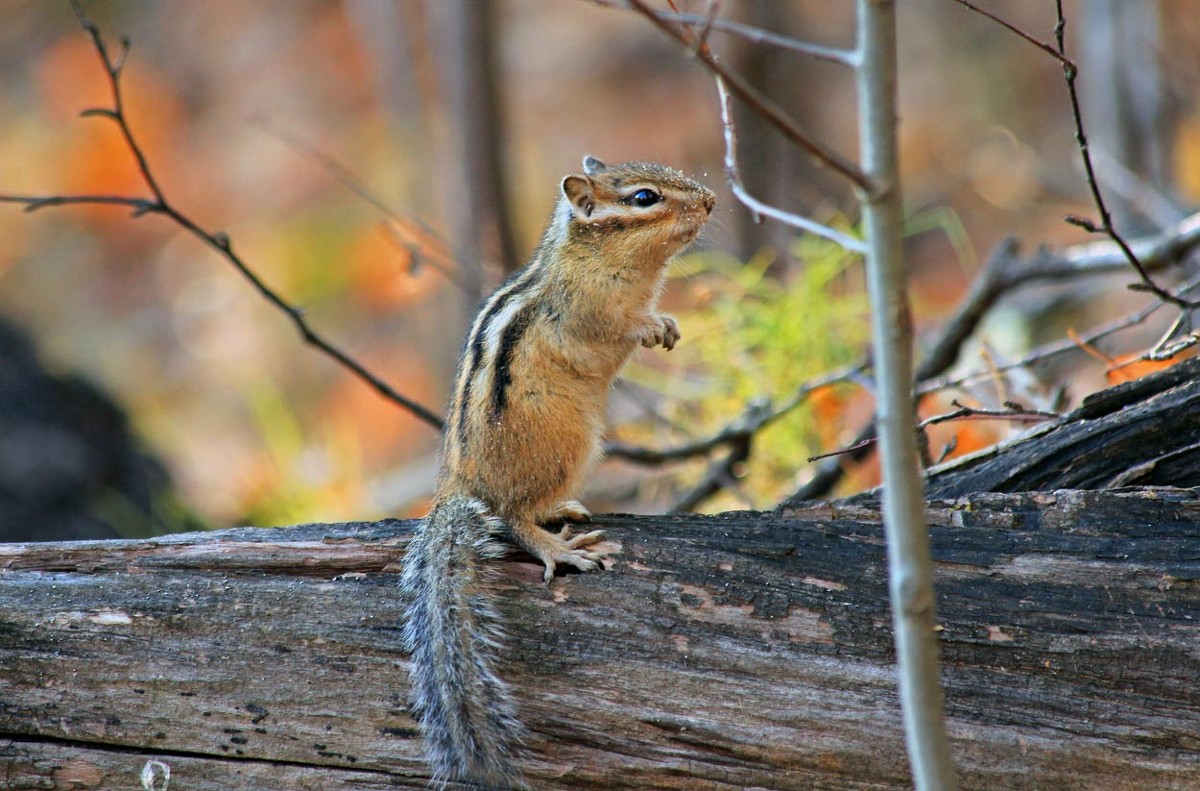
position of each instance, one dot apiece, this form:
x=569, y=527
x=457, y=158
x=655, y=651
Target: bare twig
x=1070, y=73
x=1057, y=54
x=867, y=442
x=32, y=203
x=217, y=240
x=758, y=414
x=723, y=474
x=759, y=207
x=1013, y=412
x=752, y=34
x=710, y=16
x=344, y=176
x=1155, y=251
x=1050, y=350
x=759, y=103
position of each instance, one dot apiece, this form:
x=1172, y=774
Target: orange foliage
x=1128, y=367
x=829, y=413
x=95, y=158
x=1187, y=157
x=390, y=266
x=386, y=431
x=973, y=435
x=415, y=509
x=967, y=435
x=837, y=412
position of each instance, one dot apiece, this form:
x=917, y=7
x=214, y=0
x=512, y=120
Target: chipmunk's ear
x=592, y=166
x=579, y=193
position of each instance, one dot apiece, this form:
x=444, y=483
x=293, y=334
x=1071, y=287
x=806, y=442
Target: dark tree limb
x=1141, y=433
x=471, y=73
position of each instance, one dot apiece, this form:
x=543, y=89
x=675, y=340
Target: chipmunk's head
x=634, y=207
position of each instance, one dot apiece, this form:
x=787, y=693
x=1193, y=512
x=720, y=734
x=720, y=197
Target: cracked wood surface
x=741, y=651
x=1139, y=433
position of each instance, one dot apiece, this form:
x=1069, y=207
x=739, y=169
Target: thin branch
x=760, y=103
x=1057, y=54
x=33, y=203
x=1055, y=348
x=217, y=240
x=710, y=16
x=752, y=34
x=1155, y=251
x=754, y=204
x=113, y=69
x=1013, y=412
x=1070, y=73
x=344, y=176
x=867, y=442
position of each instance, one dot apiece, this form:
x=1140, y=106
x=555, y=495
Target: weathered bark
x=732, y=652
x=1142, y=433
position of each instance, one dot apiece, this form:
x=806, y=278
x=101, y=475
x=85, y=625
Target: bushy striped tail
x=451, y=633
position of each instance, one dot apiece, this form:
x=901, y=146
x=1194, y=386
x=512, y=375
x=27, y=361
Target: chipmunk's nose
x=710, y=201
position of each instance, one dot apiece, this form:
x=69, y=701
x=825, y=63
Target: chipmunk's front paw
x=569, y=511
x=660, y=331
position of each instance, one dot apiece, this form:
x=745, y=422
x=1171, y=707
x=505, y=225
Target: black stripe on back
x=502, y=368
x=520, y=282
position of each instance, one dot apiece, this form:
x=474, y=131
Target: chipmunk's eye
x=643, y=198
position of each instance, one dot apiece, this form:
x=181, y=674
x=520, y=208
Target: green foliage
x=305, y=475
x=757, y=334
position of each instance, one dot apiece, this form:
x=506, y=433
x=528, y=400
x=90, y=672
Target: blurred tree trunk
x=390, y=35
x=1124, y=108
x=479, y=222
x=770, y=166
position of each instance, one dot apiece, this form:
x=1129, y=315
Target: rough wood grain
x=1141, y=433
x=743, y=651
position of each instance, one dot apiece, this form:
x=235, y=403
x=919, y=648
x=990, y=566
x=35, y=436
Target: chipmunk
x=523, y=428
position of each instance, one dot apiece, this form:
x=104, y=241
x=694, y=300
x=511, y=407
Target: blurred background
x=383, y=163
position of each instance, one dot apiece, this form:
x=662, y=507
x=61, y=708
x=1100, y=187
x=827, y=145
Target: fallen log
x=740, y=651
x=1140, y=433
